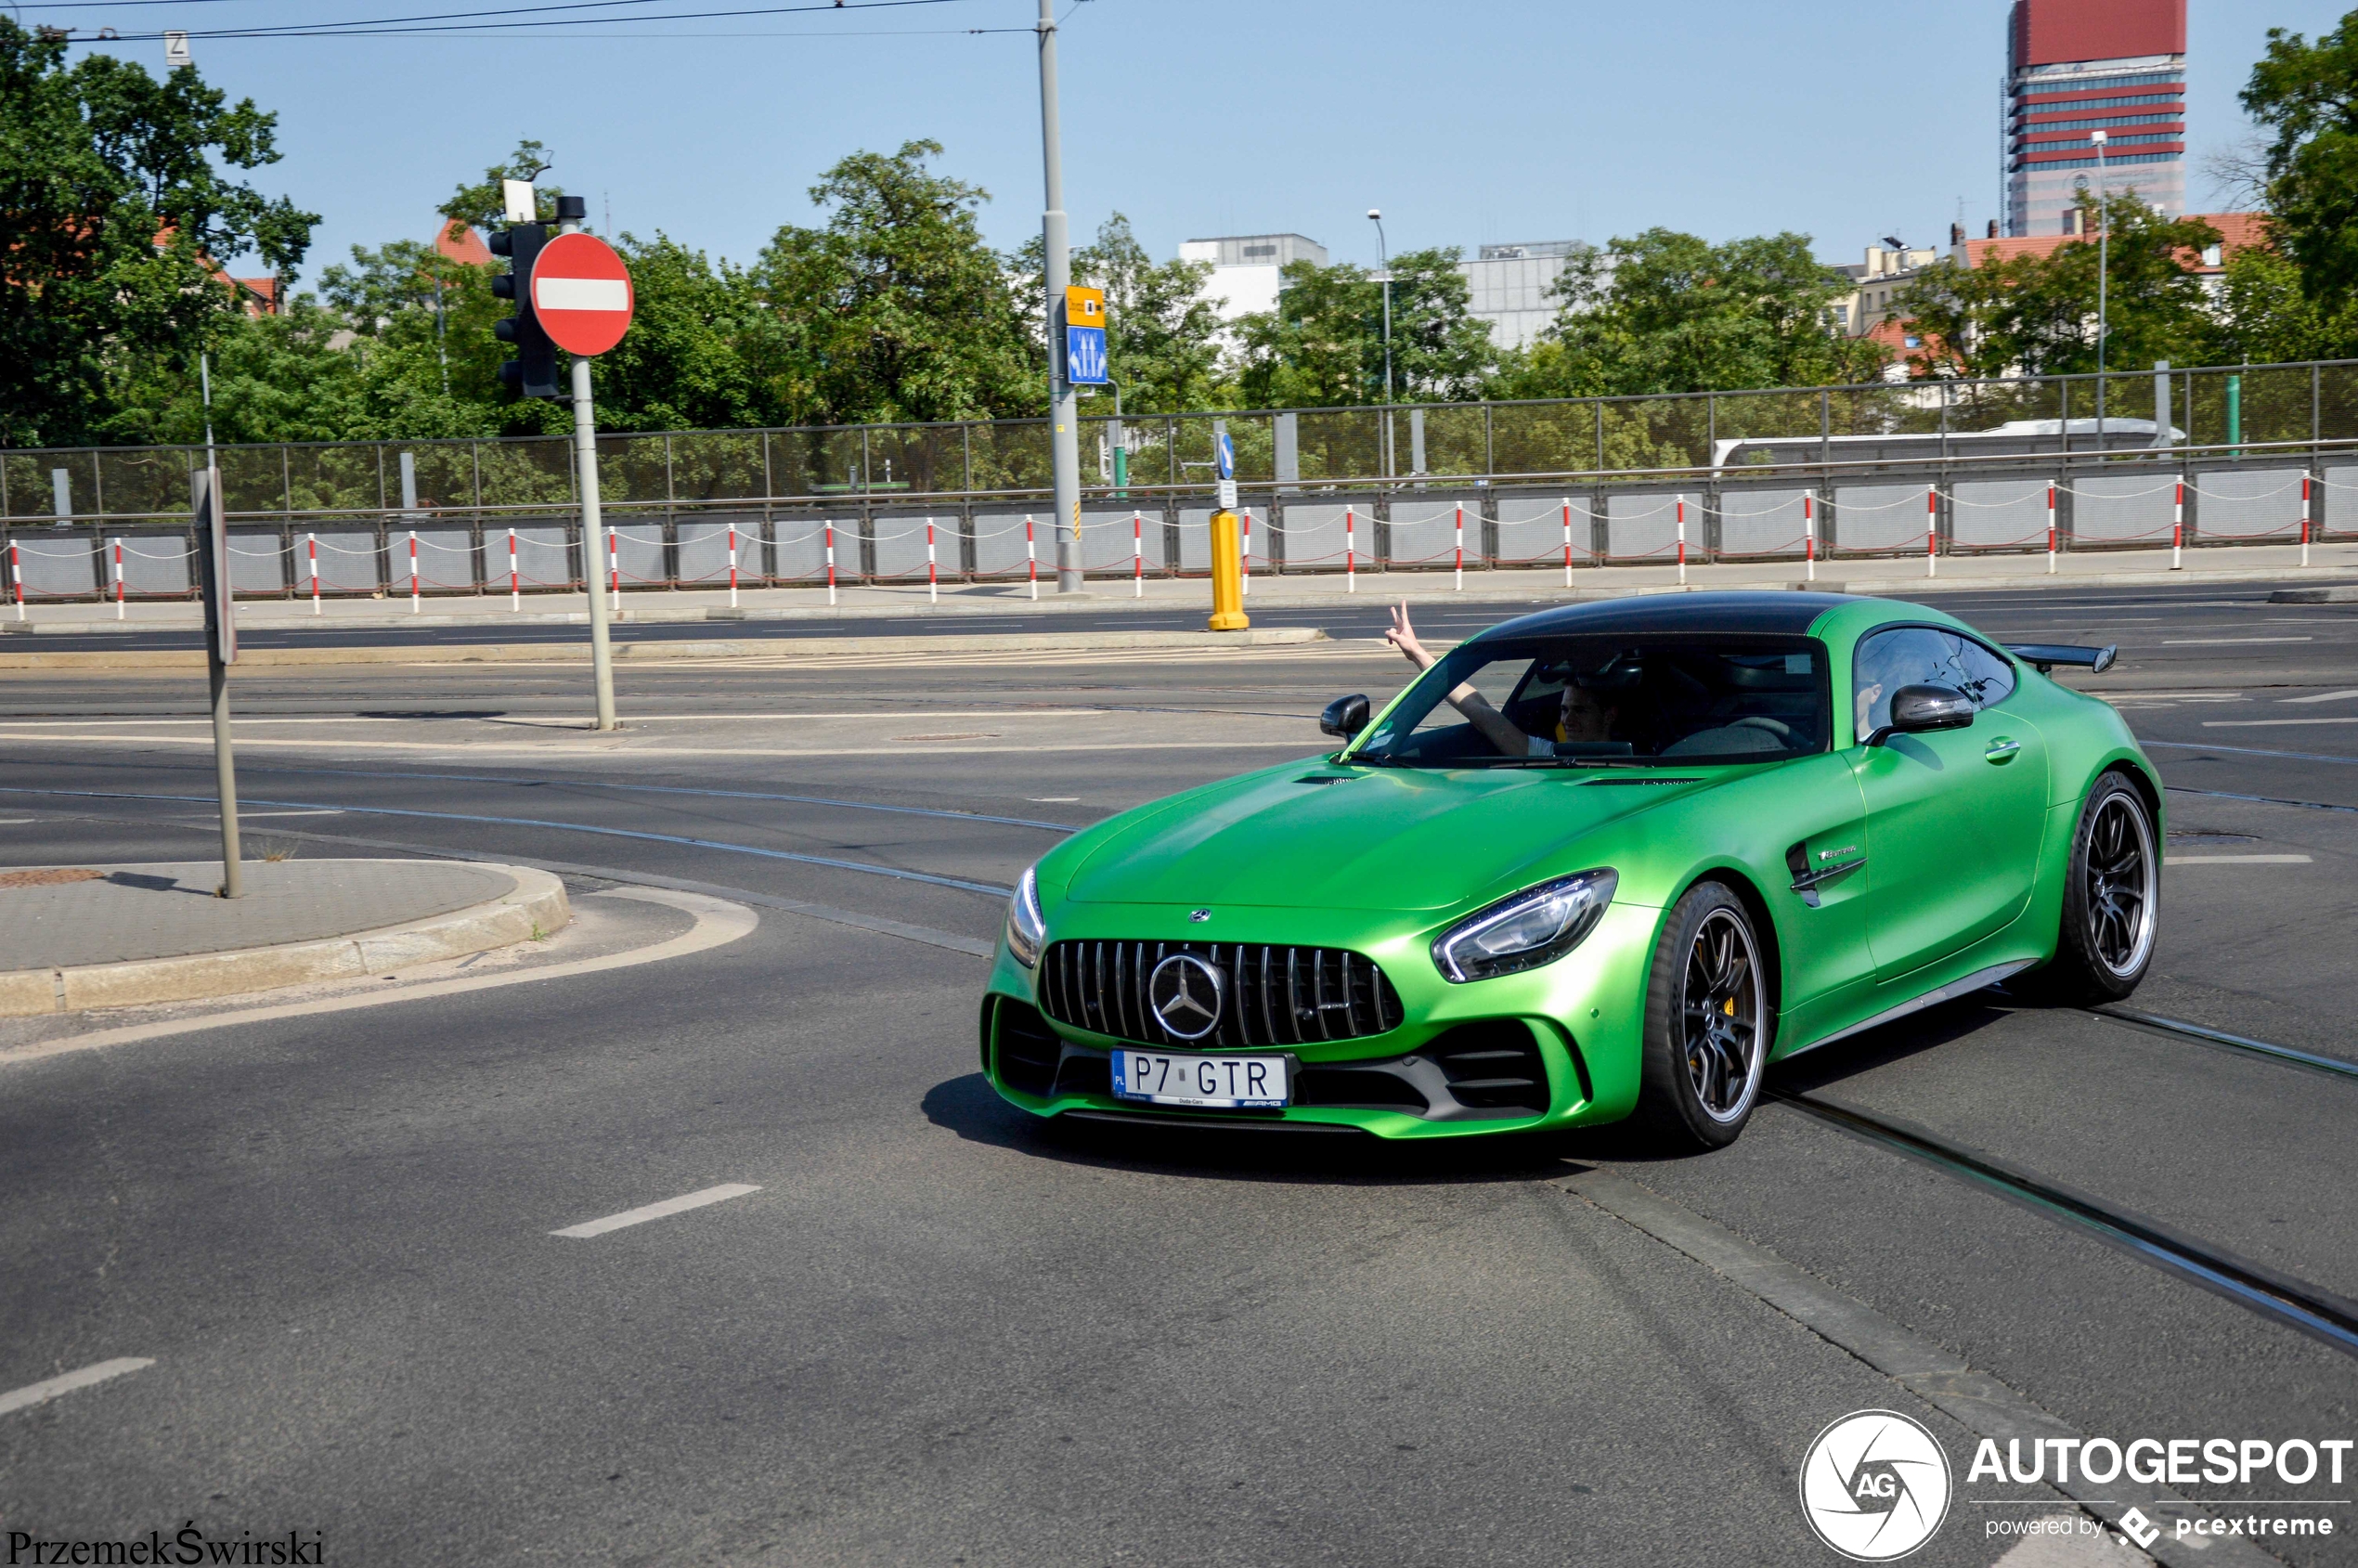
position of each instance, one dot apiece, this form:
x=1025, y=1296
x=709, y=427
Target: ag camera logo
x=1874, y=1486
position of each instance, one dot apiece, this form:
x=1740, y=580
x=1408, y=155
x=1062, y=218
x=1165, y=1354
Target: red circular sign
x=581, y=294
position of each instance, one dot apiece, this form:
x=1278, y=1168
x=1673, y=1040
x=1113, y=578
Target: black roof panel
x=1773, y=611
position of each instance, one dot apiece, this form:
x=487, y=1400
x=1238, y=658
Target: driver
x=1580, y=716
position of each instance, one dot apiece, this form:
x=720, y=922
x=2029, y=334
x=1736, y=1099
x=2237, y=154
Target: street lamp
x=1383, y=252
x=2103, y=257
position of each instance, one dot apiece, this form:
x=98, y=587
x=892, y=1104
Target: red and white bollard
x=16, y=576
x=118, y=579
x=1932, y=531
x=1461, y=547
x=2305, y=515
x=1137, y=555
x=2050, y=528
x=1031, y=557
x=1567, y=541
x=1682, y=538
x=1244, y=563
x=614, y=570
x=831, y=560
x=1349, y=551
x=414, y=571
x=312, y=543
x=1809, y=531
x=2178, y=526
x=933, y=578
x=732, y=561
x=515, y=579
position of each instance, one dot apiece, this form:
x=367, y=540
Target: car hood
x=1393, y=838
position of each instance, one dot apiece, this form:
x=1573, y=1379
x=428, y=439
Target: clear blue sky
x=1467, y=121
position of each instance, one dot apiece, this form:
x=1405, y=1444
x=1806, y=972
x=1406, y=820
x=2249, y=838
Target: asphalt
x=941, y=1332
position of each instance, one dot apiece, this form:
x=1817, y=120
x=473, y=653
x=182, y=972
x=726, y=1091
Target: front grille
x=1269, y=995
x=1494, y=1065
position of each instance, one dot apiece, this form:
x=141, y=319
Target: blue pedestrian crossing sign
x=1223, y=456
x=1085, y=337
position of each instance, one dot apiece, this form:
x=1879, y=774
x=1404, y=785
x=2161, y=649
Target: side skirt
x=1980, y=980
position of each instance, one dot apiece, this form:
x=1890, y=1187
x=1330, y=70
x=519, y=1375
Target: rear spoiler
x=2046, y=655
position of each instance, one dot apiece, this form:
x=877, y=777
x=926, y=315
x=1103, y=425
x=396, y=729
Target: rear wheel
x=2111, y=904
x=1707, y=1022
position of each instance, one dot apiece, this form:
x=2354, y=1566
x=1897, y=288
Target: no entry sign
x=581, y=294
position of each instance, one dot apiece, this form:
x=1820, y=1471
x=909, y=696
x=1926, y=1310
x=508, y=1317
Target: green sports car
x=1606, y=860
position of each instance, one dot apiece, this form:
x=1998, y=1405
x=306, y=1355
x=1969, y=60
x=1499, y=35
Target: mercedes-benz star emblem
x=1185, y=993
x=1198, y=916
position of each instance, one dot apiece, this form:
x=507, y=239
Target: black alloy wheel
x=1708, y=1021
x=2112, y=901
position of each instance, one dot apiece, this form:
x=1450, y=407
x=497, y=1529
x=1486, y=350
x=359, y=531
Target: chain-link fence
x=2265, y=453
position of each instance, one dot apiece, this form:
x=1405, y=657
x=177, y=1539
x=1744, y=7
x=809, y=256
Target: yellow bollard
x=1228, y=576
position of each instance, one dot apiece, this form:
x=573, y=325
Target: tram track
x=2310, y=1309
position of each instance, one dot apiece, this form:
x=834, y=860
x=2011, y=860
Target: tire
x=1708, y=1022
x=2111, y=906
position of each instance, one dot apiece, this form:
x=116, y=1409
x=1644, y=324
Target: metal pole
x=221, y=648
x=1383, y=257
x=585, y=451
x=1064, y=405
x=2104, y=271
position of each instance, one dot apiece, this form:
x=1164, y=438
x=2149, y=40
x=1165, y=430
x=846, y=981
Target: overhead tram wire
x=457, y=22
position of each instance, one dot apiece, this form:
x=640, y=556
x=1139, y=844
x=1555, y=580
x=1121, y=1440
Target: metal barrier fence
x=2266, y=453
x=2190, y=499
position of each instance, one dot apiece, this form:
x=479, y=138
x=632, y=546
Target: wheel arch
x=1746, y=891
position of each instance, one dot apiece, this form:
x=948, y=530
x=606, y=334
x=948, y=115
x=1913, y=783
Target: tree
x=685, y=364
x=1324, y=344
x=114, y=229
x=2262, y=316
x=1666, y=312
x=2308, y=95
x=2034, y=315
x=895, y=310
x=1163, y=337
x=483, y=204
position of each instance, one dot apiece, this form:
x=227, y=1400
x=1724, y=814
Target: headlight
x=1535, y=926
x=1026, y=928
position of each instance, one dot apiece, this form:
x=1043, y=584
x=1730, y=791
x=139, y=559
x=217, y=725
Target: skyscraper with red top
x=2080, y=66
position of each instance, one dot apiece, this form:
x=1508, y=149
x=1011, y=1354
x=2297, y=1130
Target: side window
x=1918, y=655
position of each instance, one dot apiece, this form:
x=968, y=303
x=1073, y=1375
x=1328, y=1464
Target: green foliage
x=1163, y=341
x=114, y=223
x=2035, y=315
x=483, y=204
x=895, y=310
x=698, y=344
x=1669, y=312
x=1324, y=344
x=2263, y=317
x=2308, y=95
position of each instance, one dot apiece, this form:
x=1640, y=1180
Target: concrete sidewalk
x=1895, y=576
x=79, y=936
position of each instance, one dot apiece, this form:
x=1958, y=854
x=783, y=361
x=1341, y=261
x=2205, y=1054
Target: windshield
x=1607, y=702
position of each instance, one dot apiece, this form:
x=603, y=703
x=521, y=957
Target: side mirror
x=1915, y=709
x=1344, y=716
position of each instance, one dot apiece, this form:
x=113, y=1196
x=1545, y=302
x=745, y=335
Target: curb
x=535, y=904
x=656, y=651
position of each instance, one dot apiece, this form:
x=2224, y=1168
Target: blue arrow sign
x=1085, y=356
x=1224, y=453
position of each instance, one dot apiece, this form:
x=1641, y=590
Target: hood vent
x=1628, y=780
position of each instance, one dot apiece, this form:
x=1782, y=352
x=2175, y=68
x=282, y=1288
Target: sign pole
x=220, y=653
x=585, y=452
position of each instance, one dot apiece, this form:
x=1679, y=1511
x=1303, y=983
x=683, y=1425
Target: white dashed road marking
x=65, y=1382
x=658, y=1210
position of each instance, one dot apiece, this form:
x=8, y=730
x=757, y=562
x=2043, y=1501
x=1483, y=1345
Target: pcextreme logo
x=1874, y=1486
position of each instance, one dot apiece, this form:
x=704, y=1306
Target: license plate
x=1208, y=1083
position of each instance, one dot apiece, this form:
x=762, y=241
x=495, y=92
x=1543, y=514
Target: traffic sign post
x=1227, y=547
x=578, y=297
x=1085, y=337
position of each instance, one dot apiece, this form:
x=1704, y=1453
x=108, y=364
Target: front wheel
x=2111, y=904
x=1707, y=1022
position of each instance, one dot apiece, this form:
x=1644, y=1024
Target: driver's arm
x=1494, y=726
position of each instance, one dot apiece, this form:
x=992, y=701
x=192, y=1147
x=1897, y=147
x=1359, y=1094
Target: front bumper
x=1555, y=1047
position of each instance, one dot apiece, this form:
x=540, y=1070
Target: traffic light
x=533, y=372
